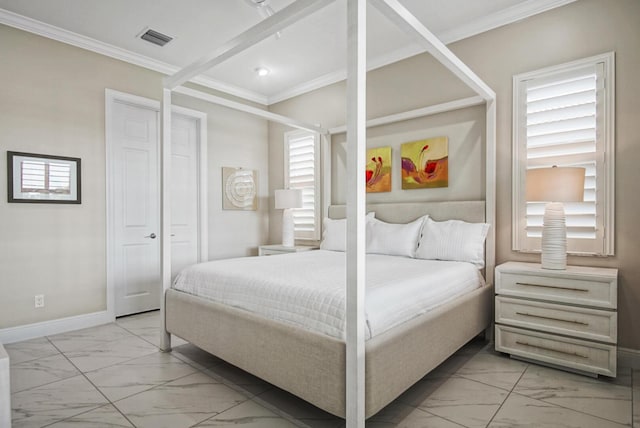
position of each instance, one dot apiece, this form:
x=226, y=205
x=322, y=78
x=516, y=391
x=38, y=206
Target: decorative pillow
x=453, y=240
x=393, y=239
x=334, y=233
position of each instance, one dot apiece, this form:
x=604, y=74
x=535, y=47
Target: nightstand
x=564, y=318
x=272, y=250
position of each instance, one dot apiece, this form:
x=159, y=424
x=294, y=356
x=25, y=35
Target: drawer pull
x=575, y=354
x=553, y=286
x=551, y=318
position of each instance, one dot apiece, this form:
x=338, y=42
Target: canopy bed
x=349, y=376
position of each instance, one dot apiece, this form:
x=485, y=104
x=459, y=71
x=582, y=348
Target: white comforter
x=308, y=289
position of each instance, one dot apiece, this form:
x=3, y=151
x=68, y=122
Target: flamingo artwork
x=378, y=170
x=373, y=176
x=425, y=163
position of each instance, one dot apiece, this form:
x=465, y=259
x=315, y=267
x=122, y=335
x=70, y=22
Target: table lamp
x=555, y=185
x=287, y=200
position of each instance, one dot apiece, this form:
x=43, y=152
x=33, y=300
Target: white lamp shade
x=555, y=184
x=288, y=198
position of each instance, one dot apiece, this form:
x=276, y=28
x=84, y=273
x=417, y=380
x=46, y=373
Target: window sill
x=569, y=253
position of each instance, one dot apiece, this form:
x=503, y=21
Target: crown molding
x=490, y=22
x=61, y=35
x=501, y=18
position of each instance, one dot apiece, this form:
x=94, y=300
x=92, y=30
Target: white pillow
x=453, y=240
x=334, y=233
x=393, y=239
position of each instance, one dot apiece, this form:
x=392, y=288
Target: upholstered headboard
x=404, y=212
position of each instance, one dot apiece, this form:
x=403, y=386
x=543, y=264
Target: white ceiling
x=308, y=55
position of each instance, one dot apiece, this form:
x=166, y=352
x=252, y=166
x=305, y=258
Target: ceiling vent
x=155, y=37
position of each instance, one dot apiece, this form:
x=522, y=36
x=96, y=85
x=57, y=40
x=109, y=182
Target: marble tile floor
x=115, y=376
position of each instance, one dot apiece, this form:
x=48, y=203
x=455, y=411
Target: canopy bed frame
x=341, y=384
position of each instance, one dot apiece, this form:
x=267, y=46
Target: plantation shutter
x=301, y=172
x=562, y=122
x=45, y=177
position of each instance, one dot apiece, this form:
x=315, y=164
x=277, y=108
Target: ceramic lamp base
x=288, y=239
x=554, y=237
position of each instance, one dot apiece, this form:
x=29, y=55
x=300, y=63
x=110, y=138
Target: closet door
x=133, y=201
x=136, y=208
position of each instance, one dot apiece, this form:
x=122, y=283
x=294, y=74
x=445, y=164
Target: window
x=564, y=116
x=302, y=171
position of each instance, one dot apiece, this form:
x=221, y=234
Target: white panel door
x=184, y=192
x=136, y=203
x=136, y=209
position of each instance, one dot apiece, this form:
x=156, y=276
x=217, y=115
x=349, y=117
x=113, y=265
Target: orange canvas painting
x=425, y=163
x=378, y=170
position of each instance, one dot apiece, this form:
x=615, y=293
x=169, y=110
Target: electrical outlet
x=39, y=300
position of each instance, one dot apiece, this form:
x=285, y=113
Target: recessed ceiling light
x=262, y=71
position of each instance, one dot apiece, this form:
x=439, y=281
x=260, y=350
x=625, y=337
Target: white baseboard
x=629, y=358
x=48, y=328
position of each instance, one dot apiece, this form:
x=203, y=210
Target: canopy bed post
x=325, y=162
x=475, y=307
x=397, y=13
x=165, y=214
x=490, y=191
x=264, y=29
x=356, y=210
x=490, y=202
x=419, y=112
x=234, y=105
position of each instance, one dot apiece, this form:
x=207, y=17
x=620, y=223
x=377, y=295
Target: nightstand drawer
x=272, y=250
x=264, y=252
x=593, y=324
x=573, y=353
x=555, y=288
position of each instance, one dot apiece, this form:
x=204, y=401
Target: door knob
x=152, y=236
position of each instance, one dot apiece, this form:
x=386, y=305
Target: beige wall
x=52, y=102
x=580, y=29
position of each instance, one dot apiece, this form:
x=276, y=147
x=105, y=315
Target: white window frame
x=288, y=138
x=603, y=245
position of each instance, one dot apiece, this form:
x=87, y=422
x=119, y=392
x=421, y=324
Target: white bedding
x=308, y=289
